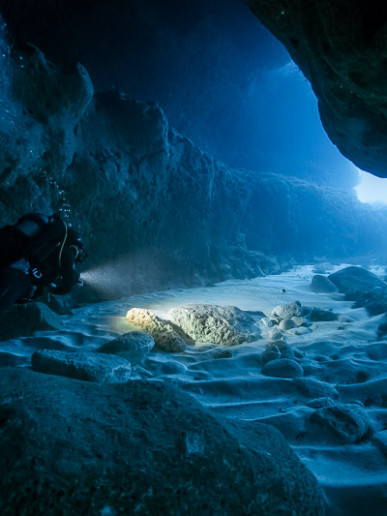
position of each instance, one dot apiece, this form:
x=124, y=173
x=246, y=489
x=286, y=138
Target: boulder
x=287, y=311
x=355, y=279
x=167, y=336
x=212, y=324
x=81, y=448
x=93, y=367
x=283, y=368
x=271, y=352
x=347, y=422
x=322, y=284
x=286, y=324
x=277, y=349
x=134, y=346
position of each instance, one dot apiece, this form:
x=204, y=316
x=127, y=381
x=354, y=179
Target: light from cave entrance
x=371, y=189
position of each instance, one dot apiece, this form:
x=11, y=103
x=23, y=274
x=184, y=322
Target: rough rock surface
x=340, y=47
x=167, y=336
x=106, y=449
x=351, y=280
x=321, y=283
x=63, y=148
x=134, y=346
x=283, y=312
x=348, y=422
x=212, y=324
x=93, y=367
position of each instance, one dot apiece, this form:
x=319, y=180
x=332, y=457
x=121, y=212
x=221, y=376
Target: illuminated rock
x=167, y=336
x=212, y=324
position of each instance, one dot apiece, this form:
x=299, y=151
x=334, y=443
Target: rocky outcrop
x=144, y=447
x=341, y=48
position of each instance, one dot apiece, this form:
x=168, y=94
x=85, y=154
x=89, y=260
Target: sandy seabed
x=344, y=363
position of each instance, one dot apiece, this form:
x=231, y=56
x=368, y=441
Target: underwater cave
x=193, y=269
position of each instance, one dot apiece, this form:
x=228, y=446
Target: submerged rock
x=275, y=335
x=167, y=336
x=287, y=311
x=287, y=324
x=145, y=447
x=271, y=353
x=355, y=279
x=212, y=324
x=283, y=368
x=348, y=422
x=93, y=367
x=134, y=346
x=322, y=284
x=277, y=349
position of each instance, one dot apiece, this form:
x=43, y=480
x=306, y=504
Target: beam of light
x=371, y=189
x=107, y=281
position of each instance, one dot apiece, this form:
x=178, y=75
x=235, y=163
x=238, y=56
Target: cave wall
x=341, y=47
x=221, y=78
x=149, y=202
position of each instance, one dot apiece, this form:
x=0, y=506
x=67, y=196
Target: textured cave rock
x=212, y=324
x=153, y=209
x=142, y=447
x=341, y=48
x=221, y=78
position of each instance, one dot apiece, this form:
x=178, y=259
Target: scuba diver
x=38, y=255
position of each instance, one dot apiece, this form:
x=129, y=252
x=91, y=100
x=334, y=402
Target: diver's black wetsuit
x=37, y=253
